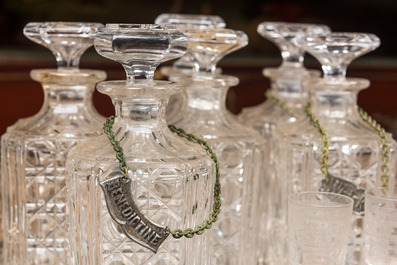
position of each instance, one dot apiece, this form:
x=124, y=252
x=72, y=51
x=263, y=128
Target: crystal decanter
x=235, y=238
x=171, y=179
x=355, y=152
x=286, y=86
x=34, y=150
x=184, y=66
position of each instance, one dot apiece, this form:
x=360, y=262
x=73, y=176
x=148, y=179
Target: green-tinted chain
x=324, y=136
x=325, y=146
x=177, y=233
x=280, y=104
x=385, y=145
x=371, y=122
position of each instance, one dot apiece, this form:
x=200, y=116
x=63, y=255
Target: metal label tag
x=344, y=187
x=125, y=212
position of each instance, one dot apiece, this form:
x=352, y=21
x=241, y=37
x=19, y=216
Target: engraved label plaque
x=344, y=187
x=124, y=211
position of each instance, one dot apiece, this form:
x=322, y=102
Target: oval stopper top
x=67, y=40
x=186, y=21
x=140, y=48
x=208, y=46
x=284, y=36
x=337, y=50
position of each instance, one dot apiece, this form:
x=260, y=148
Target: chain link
x=324, y=136
x=269, y=95
x=213, y=217
x=385, y=147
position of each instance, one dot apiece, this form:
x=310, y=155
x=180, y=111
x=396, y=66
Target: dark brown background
x=22, y=97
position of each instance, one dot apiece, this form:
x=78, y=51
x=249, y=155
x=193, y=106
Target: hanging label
x=125, y=212
x=344, y=187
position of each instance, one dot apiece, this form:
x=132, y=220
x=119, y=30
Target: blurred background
x=22, y=97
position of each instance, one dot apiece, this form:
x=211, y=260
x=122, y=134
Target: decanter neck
x=335, y=98
x=334, y=104
x=140, y=105
x=140, y=115
x=287, y=81
x=67, y=92
x=208, y=94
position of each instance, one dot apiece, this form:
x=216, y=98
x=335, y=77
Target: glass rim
x=349, y=201
x=381, y=195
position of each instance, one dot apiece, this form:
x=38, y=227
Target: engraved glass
x=355, y=150
x=34, y=150
x=380, y=230
x=234, y=238
x=318, y=228
x=286, y=84
x=184, y=66
x=171, y=178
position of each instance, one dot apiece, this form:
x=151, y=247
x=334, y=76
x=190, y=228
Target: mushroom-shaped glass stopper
x=335, y=51
x=140, y=48
x=66, y=40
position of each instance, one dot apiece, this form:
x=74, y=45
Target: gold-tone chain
x=324, y=136
x=280, y=104
x=213, y=217
x=385, y=146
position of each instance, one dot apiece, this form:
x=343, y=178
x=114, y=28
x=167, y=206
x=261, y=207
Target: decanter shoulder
x=265, y=115
x=154, y=146
x=67, y=126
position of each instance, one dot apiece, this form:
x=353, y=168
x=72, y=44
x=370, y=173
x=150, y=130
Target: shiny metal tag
x=124, y=211
x=344, y=187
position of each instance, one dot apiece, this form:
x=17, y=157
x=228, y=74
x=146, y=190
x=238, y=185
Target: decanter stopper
x=140, y=48
x=284, y=36
x=208, y=46
x=67, y=40
x=184, y=23
x=337, y=50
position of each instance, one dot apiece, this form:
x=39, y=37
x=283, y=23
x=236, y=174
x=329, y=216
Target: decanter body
x=172, y=179
x=34, y=151
x=234, y=238
x=286, y=86
x=355, y=150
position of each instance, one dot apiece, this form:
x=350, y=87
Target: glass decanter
x=184, y=66
x=355, y=149
x=171, y=178
x=286, y=86
x=34, y=150
x=235, y=238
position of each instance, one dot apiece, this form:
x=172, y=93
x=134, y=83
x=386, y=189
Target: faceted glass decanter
x=171, y=178
x=286, y=85
x=234, y=238
x=355, y=148
x=34, y=150
x=184, y=66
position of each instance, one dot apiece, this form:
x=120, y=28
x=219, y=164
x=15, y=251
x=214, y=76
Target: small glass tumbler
x=318, y=228
x=380, y=230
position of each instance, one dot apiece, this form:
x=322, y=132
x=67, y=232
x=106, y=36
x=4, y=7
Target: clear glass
x=286, y=84
x=172, y=179
x=34, y=150
x=234, y=237
x=355, y=153
x=380, y=226
x=184, y=66
x=318, y=228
